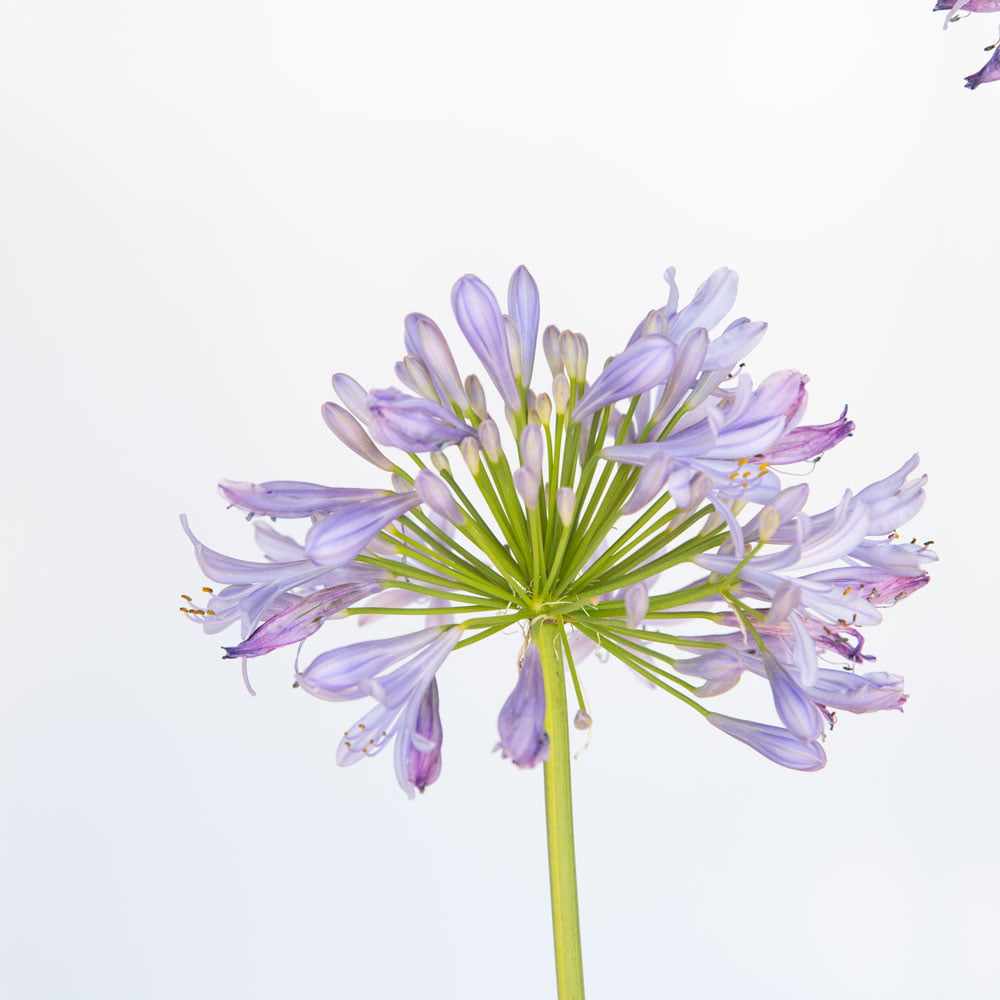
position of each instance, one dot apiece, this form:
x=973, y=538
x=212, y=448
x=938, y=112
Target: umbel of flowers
x=637, y=507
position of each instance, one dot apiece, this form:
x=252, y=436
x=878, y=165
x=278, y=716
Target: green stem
x=559, y=818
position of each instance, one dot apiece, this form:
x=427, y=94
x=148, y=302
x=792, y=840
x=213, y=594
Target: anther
x=184, y=597
x=207, y=590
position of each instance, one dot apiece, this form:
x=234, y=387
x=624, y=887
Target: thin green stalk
x=559, y=818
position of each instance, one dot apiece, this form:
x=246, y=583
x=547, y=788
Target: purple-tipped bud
x=646, y=363
x=522, y=718
x=476, y=396
x=543, y=408
x=482, y=323
x=437, y=496
x=286, y=498
x=353, y=395
x=527, y=485
x=523, y=307
x=423, y=750
x=575, y=353
x=469, y=448
x=513, y=346
x=417, y=377
x=337, y=539
x=424, y=339
x=565, y=504
x=301, y=620
x=651, y=481
x=533, y=448
x=489, y=441
x=560, y=393
x=553, y=354
x=773, y=742
x=636, y=604
x=354, y=436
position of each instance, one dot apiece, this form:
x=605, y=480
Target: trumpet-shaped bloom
x=522, y=719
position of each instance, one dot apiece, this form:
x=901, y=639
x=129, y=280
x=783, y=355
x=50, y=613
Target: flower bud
x=565, y=505
x=543, y=407
x=353, y=435
x=440, y=461
x=550, y=345
x=420, y=379
x=469, y=447
x=353, y=395
x=533, y=449
x=560, y=392
x=769, y=522
x=513, y=346
x=636, y=604
x=476, y=396
x=437, y=496
x=527, y=485
x=489, y=440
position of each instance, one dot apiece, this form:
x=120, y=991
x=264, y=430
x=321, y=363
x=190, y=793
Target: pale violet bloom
x=773, y=742
x=412, y=423
x=522, y=718
x=300, y=620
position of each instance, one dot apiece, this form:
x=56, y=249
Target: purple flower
x=339, y=537
x=422, y=751
x=522, y=719
x=989, y=72
x=283, y=498
x=970, y=6
x=403, y=714
x=480, y=319
x=804, y=443
x=426, y=341
x=345, y=673
x=639, y=367
x=773, y=742
x=412, y=423
x=300, y=620
x=523, y=306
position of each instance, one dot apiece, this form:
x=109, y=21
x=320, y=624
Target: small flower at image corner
x=957, y=10
x=652, y=508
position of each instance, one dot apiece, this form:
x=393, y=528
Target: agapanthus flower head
x=639, y=510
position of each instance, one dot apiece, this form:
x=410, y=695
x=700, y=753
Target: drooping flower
x=956, y=10
x=989, y=72
x=522, y=718
x=578, y=527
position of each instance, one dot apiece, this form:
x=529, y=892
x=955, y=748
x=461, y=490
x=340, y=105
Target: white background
x=208, y=208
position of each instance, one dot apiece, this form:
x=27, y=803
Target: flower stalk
x=559, y=816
